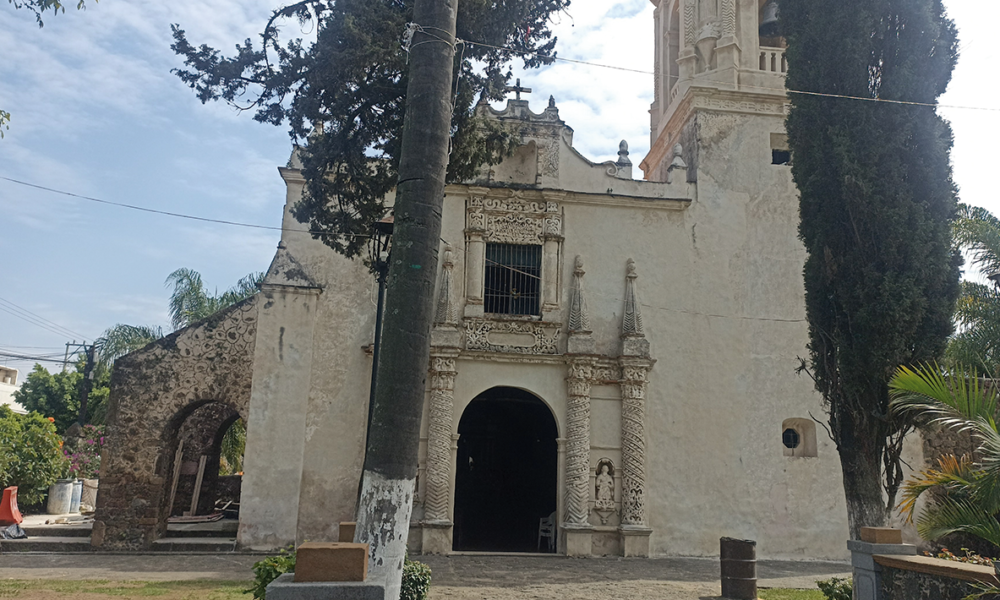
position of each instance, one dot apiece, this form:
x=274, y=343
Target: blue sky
x=97, y=112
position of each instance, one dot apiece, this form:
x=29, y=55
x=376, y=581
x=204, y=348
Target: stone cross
x=517, y=89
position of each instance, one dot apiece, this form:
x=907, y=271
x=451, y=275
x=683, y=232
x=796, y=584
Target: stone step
x=46, y=544
x=36, y=531
x=194, y=544
x=219, y=529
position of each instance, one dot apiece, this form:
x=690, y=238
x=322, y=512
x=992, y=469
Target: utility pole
x=88, y=382
x=66, y=357
x=390, y=467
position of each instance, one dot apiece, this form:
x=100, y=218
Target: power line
x=174, y=214
x=65, y=330
x=33, y=322
x=28, y=358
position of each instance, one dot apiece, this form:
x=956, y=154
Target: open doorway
x=505, y=480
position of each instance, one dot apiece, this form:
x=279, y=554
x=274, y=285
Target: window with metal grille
x=512, y=279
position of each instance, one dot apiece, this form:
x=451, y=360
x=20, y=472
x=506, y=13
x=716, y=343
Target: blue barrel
x=74, y=501
x=60, y=497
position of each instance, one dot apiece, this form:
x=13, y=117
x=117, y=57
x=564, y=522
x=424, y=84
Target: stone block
x=286, y=588
x=345, y=533
x=331, y=561
x=635, y=541
x=881, y=535
x=579, y=542
x=435, y=538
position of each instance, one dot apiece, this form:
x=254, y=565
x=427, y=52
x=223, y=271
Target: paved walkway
x=460, y=577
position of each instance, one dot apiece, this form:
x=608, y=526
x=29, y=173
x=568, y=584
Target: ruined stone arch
x=154, y=392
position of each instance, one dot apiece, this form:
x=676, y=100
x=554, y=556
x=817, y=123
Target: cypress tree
x=874, y=176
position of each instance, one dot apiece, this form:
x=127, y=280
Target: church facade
x=614, y=360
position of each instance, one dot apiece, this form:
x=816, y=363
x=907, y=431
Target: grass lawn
x=785, y=594
x=47, y=589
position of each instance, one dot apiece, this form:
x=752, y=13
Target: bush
x=416, y=576
x=416, y=581
x=30, y=455
x=85, y=457
x=267, y=570
x=836, y=588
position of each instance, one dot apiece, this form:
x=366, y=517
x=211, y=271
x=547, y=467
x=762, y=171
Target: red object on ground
x=9, y=515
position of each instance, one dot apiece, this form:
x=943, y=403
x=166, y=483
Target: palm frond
x=123, y=339
x=953, y=400
x=949, y=515
x=188, y=299
x=952, y=471
x=978, y=231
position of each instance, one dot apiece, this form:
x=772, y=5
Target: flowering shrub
x=85, y=456
x=29, y=454
x=970, y=557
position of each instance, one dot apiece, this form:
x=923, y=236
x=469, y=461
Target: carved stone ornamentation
x=579, y=320
x=442, y=405
x=689, y=22
x=516, y=337
x=445, y=314
x=728, y=18
x=578, y=442
x=514, y=228
x=633, y=391
x=604, y=487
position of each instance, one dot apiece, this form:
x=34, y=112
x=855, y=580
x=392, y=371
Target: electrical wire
x=38, y=317
x=28, y=358
x=177, y=215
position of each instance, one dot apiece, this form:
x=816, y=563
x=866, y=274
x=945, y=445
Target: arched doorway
x=505, y=478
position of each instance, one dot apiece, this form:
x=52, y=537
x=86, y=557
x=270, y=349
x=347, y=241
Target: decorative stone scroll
x=578, y=442
x=516, y=337
x=633, y=390
x=442, y=405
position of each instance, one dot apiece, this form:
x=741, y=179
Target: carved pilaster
x=690, y=11
x=728, y=18
x=633, y=390
x=578, y=442
x=439, y=439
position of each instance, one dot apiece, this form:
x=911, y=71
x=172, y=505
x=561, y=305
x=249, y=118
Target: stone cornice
x=569, y=197
x=700, y=98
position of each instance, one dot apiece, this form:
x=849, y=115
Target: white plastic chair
x=547, y=529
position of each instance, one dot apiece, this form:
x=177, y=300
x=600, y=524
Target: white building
x=8, y=385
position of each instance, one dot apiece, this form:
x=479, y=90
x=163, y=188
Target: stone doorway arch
x=506, y=476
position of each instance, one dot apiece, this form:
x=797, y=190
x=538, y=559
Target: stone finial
x=623, y=167
x=552, y=101
x=623, y=154
x=445, y=314
x=676, y=163
x=580, y=338
x=634, y=341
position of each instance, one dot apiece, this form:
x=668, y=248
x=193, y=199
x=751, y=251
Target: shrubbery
x=85, y=458
x=837, y=588
x=416, y=576
x=30, y=455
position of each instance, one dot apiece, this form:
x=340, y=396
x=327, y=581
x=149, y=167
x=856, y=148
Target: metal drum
x=739, y=568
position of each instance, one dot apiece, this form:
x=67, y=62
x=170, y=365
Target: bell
x=769, y=19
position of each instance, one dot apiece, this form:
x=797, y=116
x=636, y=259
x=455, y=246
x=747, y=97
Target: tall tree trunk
x=860, y=449
x=390, y=469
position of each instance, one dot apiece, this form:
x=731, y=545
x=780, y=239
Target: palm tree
x=977, y=342
x=189, y=303
x=964, y=494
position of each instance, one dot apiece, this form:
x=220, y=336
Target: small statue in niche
x=604, y=486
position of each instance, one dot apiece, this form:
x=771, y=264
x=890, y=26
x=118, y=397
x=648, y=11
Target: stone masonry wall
x=153, y=392
x=898, y=584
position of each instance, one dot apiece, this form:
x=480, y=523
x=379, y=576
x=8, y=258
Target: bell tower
x=718, y=53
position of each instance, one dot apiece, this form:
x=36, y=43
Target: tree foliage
x=40, y=6
x=877, y=195
x=30, y=454
x=343, y=95
x=964, y=496
x=57, y=395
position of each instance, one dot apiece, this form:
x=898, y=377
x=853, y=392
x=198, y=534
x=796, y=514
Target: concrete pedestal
x=867, y=573
x=285, y=588
x=635, y=541
x=579, y=540
x=436, y=537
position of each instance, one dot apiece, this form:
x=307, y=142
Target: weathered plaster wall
x=153, y=391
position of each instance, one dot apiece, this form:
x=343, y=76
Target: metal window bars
x=512, y=279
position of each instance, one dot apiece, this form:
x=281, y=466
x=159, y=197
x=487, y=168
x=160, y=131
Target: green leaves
x=30, y=455
x=343, y=96
x=968, y=493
